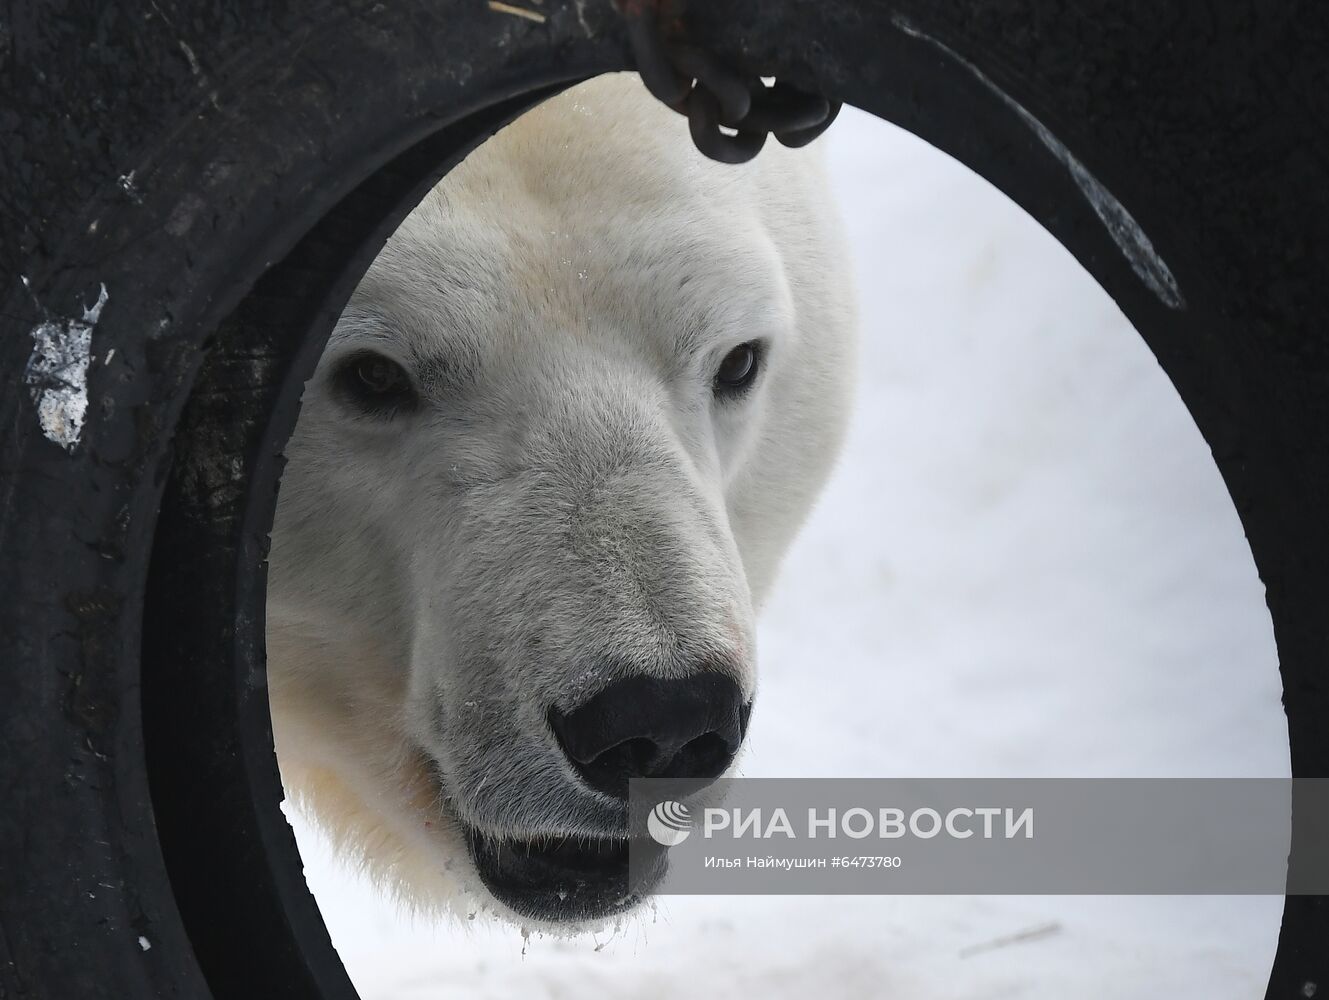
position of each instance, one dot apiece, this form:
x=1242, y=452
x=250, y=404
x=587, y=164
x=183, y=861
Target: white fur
x=571, y=504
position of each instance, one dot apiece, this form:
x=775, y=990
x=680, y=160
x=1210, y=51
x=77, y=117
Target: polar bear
x=542, y=478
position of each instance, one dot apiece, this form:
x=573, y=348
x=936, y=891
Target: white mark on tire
x=183, y=215
x=1135, y=246
x=581, y=17
x=57, y=373
x=193, y=60
x=126, y=182
x=507, y=8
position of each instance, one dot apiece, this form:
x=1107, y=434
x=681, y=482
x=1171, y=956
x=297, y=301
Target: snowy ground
x=1027, y=565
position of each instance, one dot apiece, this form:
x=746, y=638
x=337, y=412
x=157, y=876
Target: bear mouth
x=564, y=878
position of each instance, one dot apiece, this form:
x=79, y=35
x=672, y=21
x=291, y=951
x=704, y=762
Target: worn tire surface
x=225, y=171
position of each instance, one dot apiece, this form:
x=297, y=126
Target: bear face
x=541, y=480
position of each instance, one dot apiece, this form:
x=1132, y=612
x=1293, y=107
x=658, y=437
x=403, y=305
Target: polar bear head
x=543, y=475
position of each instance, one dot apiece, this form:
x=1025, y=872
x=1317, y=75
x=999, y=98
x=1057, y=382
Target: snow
x=1027, y=565
x=57, y=373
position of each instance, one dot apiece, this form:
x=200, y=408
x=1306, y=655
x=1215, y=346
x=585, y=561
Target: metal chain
x=695, y=84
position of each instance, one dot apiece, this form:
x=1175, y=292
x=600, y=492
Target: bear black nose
x=646, y=727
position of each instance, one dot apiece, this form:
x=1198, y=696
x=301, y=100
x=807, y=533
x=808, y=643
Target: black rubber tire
x=227, y=170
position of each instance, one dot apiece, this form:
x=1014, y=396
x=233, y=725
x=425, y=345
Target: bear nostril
x=647, y=727
x=707, y=754
x=630, y=758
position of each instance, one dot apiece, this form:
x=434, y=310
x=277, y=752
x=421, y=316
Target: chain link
x=714, y=97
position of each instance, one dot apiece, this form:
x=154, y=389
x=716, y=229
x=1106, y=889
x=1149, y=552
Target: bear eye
x=739, y=368
x=375, y=385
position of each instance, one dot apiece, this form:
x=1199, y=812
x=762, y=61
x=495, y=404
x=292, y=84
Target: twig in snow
x=1019, y=937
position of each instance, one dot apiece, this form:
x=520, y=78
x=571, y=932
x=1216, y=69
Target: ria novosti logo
x=669, y=823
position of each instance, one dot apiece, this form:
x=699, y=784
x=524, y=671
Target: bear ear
x=373, y=385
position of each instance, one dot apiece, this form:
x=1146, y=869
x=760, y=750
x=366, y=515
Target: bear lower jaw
x=565, y=879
